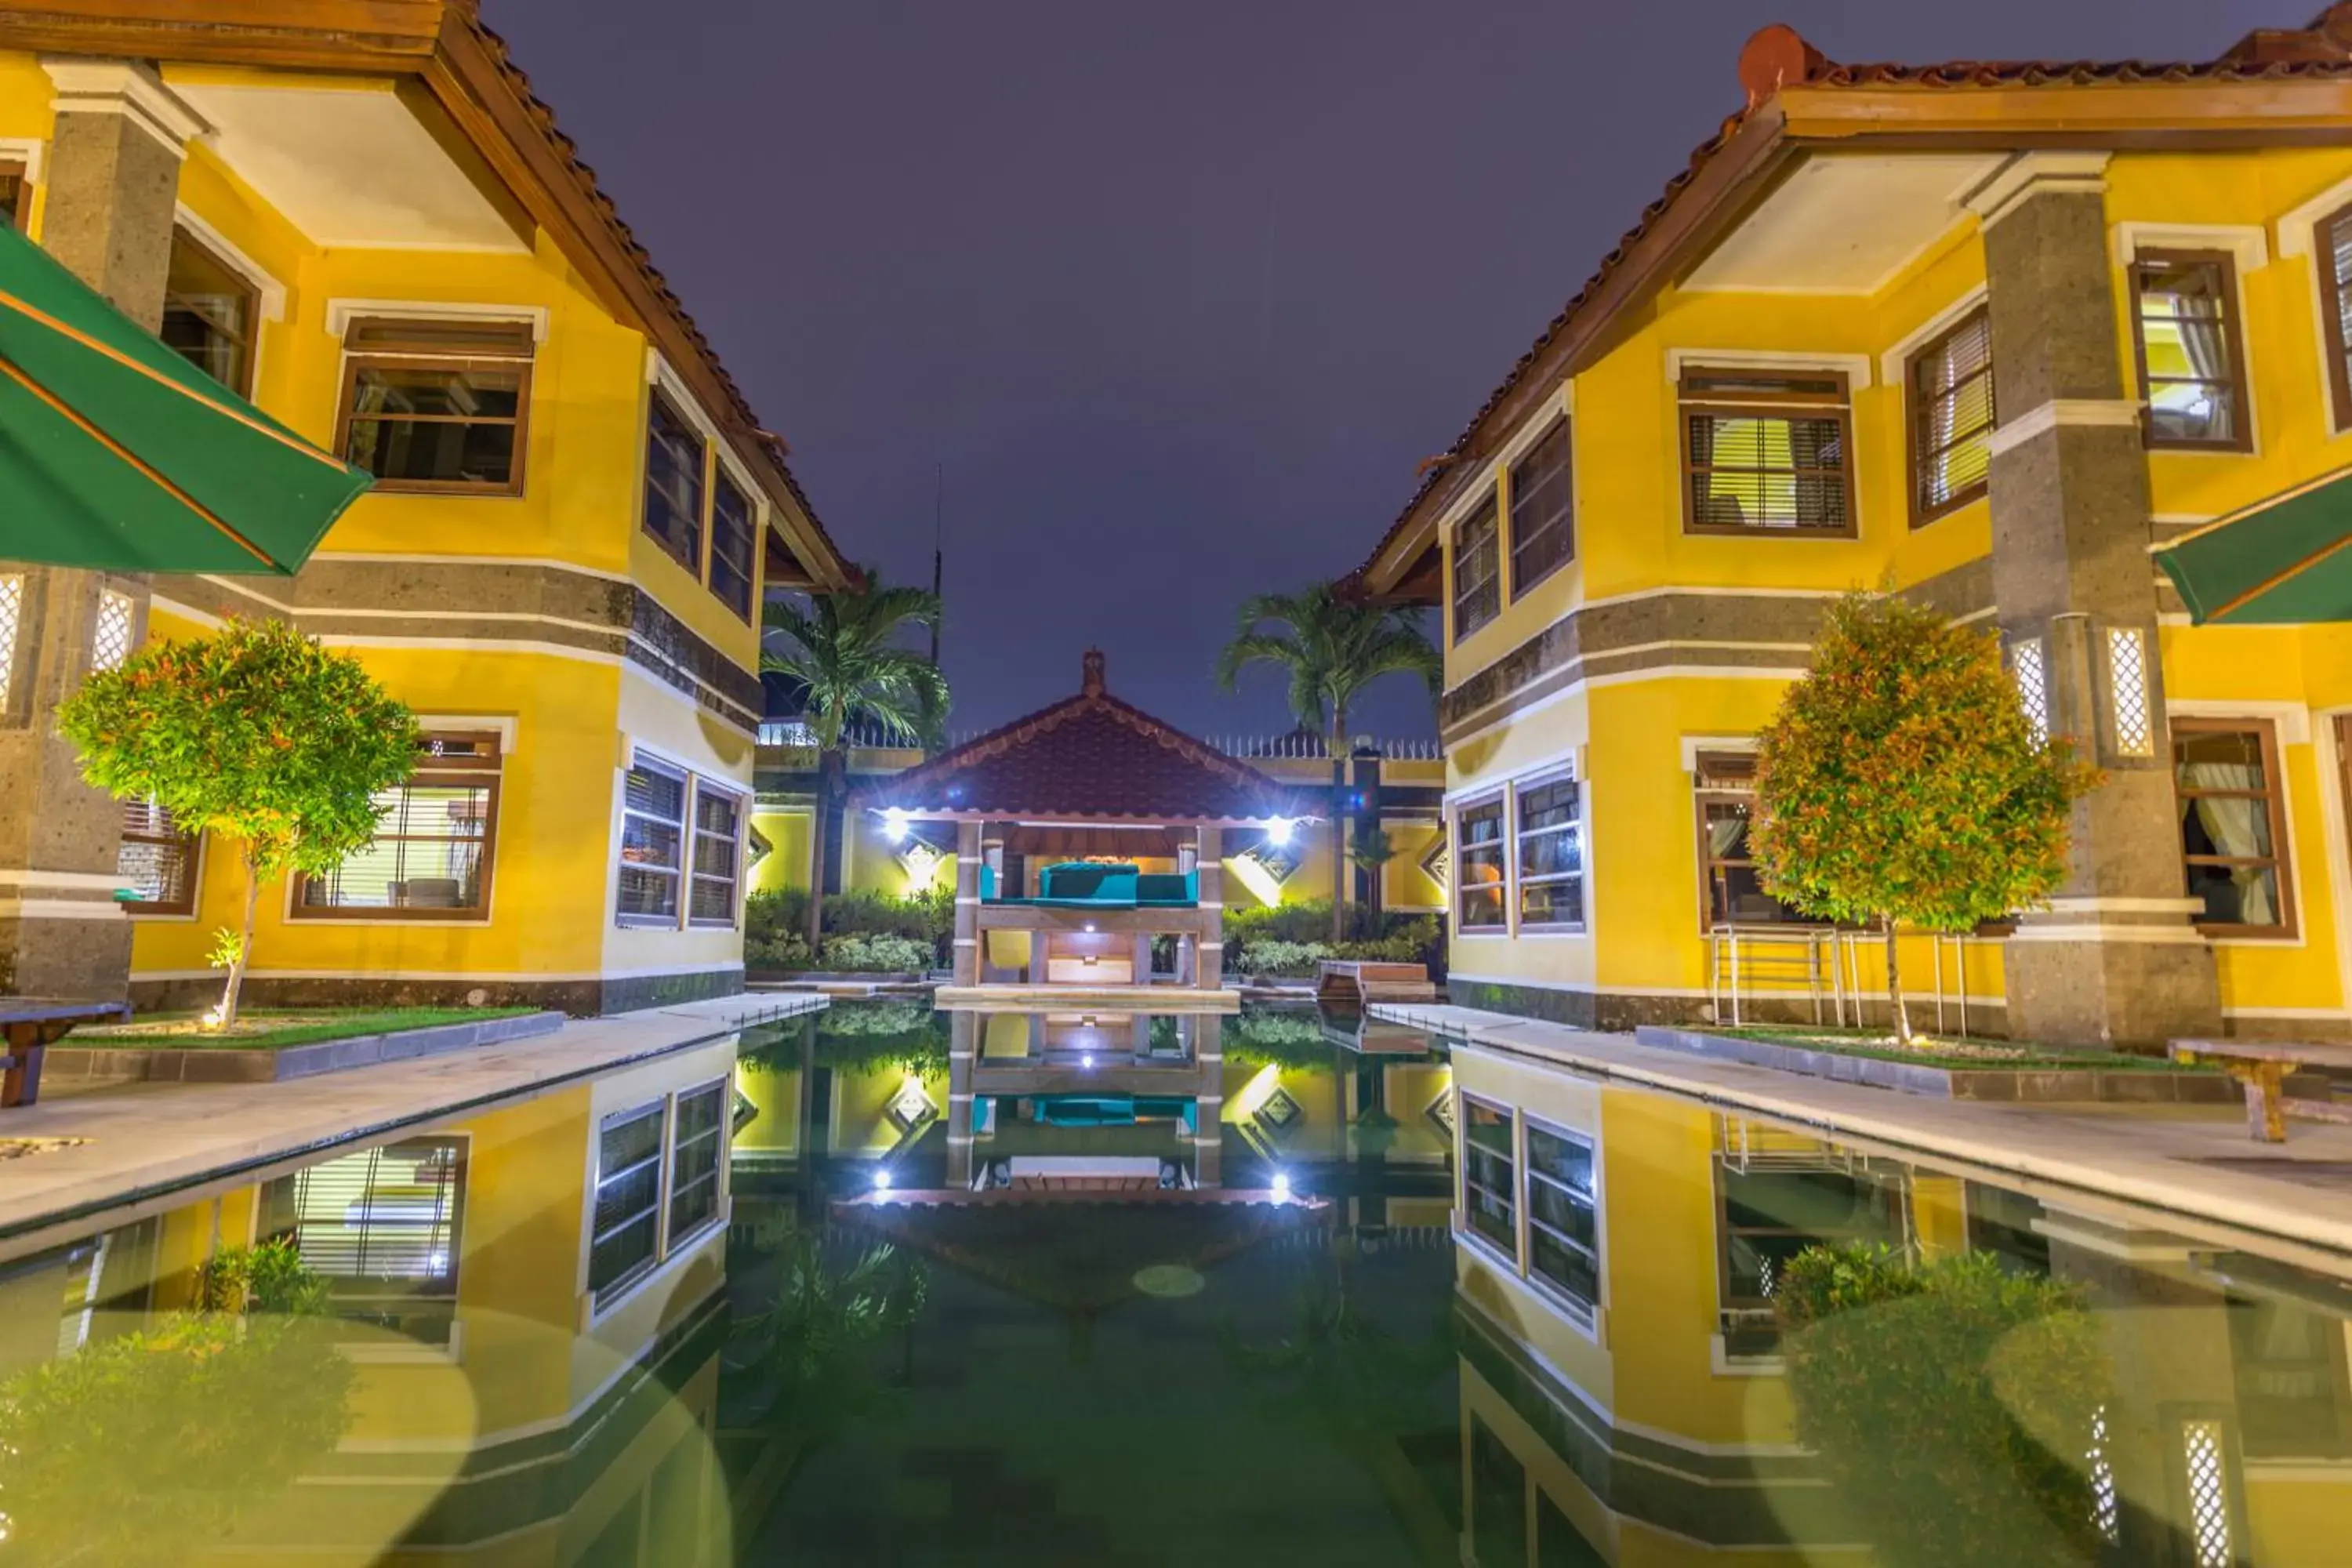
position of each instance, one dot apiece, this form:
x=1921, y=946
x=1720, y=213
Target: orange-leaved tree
x=1901, y=782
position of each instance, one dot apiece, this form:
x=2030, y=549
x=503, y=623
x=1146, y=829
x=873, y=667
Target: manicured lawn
x=1945, y=1051
x=268, y=1028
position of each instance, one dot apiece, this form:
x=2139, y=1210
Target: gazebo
x=1090, y=840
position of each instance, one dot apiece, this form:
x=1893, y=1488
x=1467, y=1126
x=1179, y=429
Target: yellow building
x=1623, y=1398
x=1986, y=334
x=531, y=1298
x=359, y=215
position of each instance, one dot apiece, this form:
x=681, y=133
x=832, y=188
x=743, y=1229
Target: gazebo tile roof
x=1089, y=757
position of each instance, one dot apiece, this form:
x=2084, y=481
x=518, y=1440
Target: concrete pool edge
x=2167, y=1164
x=170, y=1138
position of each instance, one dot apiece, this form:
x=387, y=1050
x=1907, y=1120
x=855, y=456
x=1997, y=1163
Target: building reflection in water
x=537, y=1302
x=1623, y=1387
x=531, y=1302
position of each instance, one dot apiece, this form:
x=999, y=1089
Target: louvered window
x=156, y=860
x=717, y=855
x=696, y=1142
x=2336, y=285
x=1477, y=571
x=1543, y=511
x=382, y=1227
x=1952, y=418
x=653, y=843
x=1767, y=453
x=625, y=1239
x=435, y=842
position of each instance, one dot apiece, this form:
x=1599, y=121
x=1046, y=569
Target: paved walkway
x=2197, y=1162
x=148, y=1139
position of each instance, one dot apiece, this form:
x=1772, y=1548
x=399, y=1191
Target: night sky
x=1179, y=294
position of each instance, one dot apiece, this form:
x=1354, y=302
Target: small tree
x=1901, y=780
x=257, y=733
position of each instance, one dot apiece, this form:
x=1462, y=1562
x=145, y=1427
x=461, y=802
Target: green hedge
x=775, y=923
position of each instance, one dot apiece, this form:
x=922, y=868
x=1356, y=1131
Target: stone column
x=1209, y=967
x=962, y=1034
x=1209, y=1099
x=967, y=904
x=2116, y=958
x=111, y=181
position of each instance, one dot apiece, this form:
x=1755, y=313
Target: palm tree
x=1333, y=647
x=843, y=654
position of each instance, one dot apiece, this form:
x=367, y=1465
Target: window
x=1479, y=868
x=2334, y=260
x=434, y=846
x=696, y=1144
x=1550, y=854
x=16, y=195
x=653, y=837
x=211, y=314
x=383, y=1227
x=624, y=1235
x=1562, y=1229
x=1477, y=580
x=673, y=470
x=1768, y=1216
x=2192, y=357
x=732, y=542
x=111, y=632
x=1952, y=418
x=1543, y=511
x=1732, y=893
x=2293, y=1399
x=1765, y=453
x=2233, y=825
x=156, y=860
x=718, y=851
x=438, y=407
x=1490, y=1175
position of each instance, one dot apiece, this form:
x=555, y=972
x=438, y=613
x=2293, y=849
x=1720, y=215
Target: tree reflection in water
x=815, y=1354
x=150, y=1446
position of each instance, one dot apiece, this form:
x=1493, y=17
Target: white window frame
x=1499, y=796
x=1584, y=1315
x=651, y=762
x=695, y=834
x=1540, y=778
x=1470, y=1234
x=669, y=1247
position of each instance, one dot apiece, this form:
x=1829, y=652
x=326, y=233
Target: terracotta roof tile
x=1090, y=756
x=586, y=177
x=2321, y=50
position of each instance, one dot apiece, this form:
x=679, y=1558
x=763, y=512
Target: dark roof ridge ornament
x=2326, y=39
x=1775, y=57
x=1092, y=667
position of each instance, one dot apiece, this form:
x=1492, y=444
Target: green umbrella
x=2281, y=560
x=117, y=453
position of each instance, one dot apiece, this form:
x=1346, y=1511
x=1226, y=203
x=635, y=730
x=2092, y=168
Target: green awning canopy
x=2281, y=560
x=115, y=452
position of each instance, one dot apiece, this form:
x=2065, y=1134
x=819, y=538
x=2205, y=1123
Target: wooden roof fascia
x=2195, y=116
x=475, y=86
x=345, y=35
x=1729, y=181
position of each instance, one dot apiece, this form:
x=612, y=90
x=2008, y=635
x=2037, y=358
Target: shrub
x=882, y=955
x=1288, y=960
x=1292, y=1039
x=1949, y=1403
x=774, y=918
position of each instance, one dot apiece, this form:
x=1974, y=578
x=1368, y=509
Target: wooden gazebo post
x=967, y=904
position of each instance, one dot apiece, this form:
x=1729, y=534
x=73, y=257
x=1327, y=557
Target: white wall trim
x=506, y=726
x=2117, y=412
x=432, y=560
x=29, y=150
x=660, y=372
x=2292, y=720
x=1890, y=363
x=1858, y=368
x=2033, y=174
x=265, y=282
x=127, y=89
x=2248, y=244
x=340, y=313
x=1694, y=744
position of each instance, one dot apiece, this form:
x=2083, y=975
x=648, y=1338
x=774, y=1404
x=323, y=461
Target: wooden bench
x=2260, y=1067
x=1352, y=983
x=31, y=1026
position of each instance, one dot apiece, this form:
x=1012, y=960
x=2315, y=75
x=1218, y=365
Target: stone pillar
x=2116, y=958
x=1209, y=967
x=967, y=904
x=1207, y=1042
x=962, y=1034
x=112, y=179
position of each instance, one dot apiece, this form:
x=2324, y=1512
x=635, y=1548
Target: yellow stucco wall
x=1628, y=737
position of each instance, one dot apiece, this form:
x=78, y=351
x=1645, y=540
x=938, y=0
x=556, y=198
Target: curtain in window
x=2199, y=317
x=1723, y=833
x=2235, y=824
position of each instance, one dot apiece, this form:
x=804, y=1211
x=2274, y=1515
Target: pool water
x=884, y=1286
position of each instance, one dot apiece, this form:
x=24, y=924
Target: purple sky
x=1179, y=294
